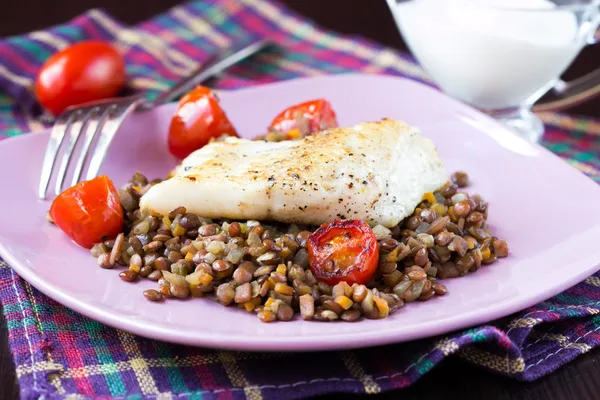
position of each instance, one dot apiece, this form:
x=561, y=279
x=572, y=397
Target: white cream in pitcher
x=486, y=53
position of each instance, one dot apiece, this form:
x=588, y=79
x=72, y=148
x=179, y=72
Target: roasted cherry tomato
x=343, y=250
x=198, y=118
x=89, y=212
x=308, y=117
x=86, y=71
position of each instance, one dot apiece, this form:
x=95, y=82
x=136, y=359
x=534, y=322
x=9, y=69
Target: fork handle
x=206, y=71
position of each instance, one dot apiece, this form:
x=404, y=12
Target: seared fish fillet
x=375, y=171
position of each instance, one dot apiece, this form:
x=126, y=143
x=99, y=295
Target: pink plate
x=533, y=204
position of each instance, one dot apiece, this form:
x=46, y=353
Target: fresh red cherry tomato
x=198, y=119
x=343, y=250
x=86, y=71
x=308, y=117
x=89, y=212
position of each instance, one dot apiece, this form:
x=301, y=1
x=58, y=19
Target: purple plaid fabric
x=59, y=353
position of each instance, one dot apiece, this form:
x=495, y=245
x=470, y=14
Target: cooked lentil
x=153, y=295
x=460, y=179
x=128, y=276
x=104, y=261
x=263, y=267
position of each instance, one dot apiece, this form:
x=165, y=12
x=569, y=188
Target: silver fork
x=102, y=119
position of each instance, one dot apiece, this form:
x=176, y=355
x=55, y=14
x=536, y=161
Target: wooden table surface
x=578, y=380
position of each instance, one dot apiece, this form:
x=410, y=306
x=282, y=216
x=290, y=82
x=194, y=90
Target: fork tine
x=57, y=136
x=121, y=111
x=74, y=133
x=95, y=124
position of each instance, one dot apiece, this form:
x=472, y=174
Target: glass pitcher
x=501, y=56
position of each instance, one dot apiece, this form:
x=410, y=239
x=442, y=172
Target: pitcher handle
x=577, y=91
x=572, y=93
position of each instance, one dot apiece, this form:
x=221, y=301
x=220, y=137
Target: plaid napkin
x=59, y=353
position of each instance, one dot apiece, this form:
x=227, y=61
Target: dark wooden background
x=579, y=380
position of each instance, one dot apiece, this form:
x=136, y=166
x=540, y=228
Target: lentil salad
x=264, y=267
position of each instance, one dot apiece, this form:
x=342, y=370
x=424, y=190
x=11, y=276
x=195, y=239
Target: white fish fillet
x=374, y=171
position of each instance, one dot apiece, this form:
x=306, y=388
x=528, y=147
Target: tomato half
x=343, y=250
x=308, y=117
x=86, y=71
x=198, y=118
x=89, y=212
